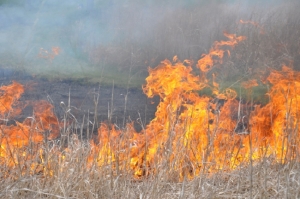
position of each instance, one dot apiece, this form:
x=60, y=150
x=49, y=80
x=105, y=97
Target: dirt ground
x=111, y=106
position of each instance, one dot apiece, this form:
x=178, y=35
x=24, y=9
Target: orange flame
x=190, y=133
x=16, y=139
x=216, y=54
x=45, y=54
x=9, y=95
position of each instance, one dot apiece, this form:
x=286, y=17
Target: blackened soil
x=83, y=102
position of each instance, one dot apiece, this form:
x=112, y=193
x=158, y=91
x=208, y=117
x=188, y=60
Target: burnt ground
x=111, y=102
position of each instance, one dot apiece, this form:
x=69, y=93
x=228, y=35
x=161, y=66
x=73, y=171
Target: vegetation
x=195, y=147
x=76, y=180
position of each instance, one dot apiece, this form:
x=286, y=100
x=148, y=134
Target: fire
x=190, y=134
x=216, y=53
x=282, y=131
x=45, y=54
x=15, y=140
x=9, y=95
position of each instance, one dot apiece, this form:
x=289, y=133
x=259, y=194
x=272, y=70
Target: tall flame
x=190, y=133
x=20, y=144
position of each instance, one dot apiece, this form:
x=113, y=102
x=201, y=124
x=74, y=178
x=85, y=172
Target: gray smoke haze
x=91, y=32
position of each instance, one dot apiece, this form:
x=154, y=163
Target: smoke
x=79, y=28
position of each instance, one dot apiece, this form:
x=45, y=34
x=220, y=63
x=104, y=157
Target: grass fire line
x=190, y=134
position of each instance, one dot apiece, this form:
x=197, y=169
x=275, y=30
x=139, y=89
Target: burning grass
x=196, y=146
x=74, y=179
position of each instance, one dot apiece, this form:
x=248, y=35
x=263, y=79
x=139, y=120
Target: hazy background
x=120, y=39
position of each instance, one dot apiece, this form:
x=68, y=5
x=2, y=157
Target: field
x=226, y=123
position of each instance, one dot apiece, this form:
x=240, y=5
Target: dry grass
x=62, y=168
x=74, y=179
x=63, y=172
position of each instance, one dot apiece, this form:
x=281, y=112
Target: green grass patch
x=256, y=94
x=106, y=76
